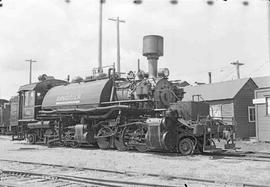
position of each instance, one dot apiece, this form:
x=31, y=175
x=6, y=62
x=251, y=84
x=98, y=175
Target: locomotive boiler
x=137, y=112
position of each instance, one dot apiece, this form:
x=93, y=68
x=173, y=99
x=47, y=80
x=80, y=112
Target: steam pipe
x=152, y=66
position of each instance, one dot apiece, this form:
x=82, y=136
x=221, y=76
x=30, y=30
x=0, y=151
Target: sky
x=198, y=38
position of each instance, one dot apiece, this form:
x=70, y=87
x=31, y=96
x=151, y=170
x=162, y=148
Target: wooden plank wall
x=262, y=120
x=243, y=99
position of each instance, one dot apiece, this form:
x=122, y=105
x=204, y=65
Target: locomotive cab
x=30, y=100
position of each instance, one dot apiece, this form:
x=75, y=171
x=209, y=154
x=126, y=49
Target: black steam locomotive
x=142, y=112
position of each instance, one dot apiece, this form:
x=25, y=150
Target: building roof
x=262, y=82
x=216, y=91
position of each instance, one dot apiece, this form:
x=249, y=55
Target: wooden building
x=262, y=108
x=230, y=101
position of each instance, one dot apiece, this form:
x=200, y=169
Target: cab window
x=29, y=98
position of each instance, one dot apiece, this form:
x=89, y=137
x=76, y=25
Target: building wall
x=242, y=101
x=262, y=119
x=223, y=109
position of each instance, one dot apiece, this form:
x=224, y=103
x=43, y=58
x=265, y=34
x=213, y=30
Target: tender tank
x=79, y=95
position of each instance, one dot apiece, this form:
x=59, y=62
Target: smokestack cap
x=153, y=46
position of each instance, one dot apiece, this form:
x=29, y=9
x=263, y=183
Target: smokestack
x=210, y=77
x=152, y=49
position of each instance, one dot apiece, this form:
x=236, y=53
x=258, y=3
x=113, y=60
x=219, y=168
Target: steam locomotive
x=142, y=112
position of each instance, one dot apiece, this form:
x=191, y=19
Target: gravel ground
x=254, y=146
x=197, y=166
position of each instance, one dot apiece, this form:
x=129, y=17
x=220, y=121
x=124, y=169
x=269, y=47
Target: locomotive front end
x=162, y=134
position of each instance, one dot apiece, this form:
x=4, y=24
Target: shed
x=262, y=109
x=230, y=101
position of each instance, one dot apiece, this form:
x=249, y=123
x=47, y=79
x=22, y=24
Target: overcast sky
x=63, y=38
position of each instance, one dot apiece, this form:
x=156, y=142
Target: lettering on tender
x=68, y=99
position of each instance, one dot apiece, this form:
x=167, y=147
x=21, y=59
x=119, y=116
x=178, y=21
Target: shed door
x=263, y=114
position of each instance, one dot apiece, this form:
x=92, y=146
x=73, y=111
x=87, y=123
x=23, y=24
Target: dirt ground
x=197, y=166
x=253, y=146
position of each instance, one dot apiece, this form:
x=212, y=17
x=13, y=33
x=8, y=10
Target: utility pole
x=210, y=77
x=237, y=64
x=117, y=20
x=100, y=37
x=30, y=72
x=268, y=5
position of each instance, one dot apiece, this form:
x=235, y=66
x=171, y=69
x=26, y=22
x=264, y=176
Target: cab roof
x=39, y=85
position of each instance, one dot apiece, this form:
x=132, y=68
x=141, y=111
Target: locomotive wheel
x=31, y=138
x=186, y=146
x=142, y=148
x=142, y=134
x=104, y=143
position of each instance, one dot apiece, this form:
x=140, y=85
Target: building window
x=215, y=111
x=268, y=106
x=251, y=114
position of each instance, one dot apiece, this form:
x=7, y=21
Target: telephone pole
x=30, y=72
x=209, y=77
x=117, y=20
x=100, y=38
x=237, y=64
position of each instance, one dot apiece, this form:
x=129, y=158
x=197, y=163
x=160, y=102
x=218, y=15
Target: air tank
x=152, y=49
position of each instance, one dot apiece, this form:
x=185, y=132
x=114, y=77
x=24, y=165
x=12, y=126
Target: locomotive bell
x=152, y=49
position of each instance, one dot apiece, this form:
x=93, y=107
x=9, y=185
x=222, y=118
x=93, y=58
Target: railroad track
x=79, y=180
x=17, y=178
x=67, y=180
x=240, y=155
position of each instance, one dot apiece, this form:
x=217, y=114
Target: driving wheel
x=186, y=146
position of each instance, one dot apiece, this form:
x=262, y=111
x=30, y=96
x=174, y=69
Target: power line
x=258, y=68
x=224, y=77
x=206, y=70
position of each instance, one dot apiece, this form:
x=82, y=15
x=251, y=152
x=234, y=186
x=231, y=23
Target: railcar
x=4, y=116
